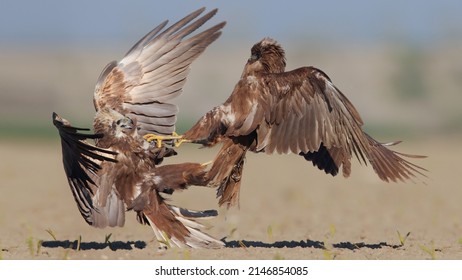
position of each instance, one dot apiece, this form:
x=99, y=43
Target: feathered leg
x=226, y=172
x=171, y=177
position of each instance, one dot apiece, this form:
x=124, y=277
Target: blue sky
x=87, y=22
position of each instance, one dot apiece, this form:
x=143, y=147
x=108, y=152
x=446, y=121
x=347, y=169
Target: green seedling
x=269, y=232
x=328, y=248
x=30, y=245
x=332, y=230
x=66, y=254
x=166, y=240
x=39, y=247
x=186, y=254
x=241, y=243
x=34, y=248
x=51, y=233
x=233, y=230
x=79, y=242
x=278, y=257
x=106, y=238
x=430, y=251
x=328, y=255
x=402, y=238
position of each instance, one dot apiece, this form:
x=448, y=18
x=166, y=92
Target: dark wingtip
x=57, y=120
x=56, y=117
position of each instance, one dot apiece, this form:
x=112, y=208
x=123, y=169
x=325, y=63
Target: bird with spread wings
x=301, y=112
x=120, y=171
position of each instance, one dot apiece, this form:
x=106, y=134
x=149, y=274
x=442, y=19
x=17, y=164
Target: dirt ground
x=288, y=210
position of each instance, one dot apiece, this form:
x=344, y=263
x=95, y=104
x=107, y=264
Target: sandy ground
x=288, y=210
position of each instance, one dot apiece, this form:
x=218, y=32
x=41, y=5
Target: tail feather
x=390, y=165
x=110, y=213
x=174, y=226
x=197, y=237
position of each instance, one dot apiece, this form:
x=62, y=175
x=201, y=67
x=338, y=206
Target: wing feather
x=82, y=165
x=312, y=117
x=154, y=71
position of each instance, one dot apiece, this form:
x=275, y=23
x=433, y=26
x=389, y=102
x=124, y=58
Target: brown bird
x=300, y=112
x=132, y=98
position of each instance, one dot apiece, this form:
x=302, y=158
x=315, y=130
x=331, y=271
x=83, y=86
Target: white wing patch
x=249, y=120
x=229, y=115
x=157, y=180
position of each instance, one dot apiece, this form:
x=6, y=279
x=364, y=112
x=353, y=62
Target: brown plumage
x=299, y=112
x=132, y=98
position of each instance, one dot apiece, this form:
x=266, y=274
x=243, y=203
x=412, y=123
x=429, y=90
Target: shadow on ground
x=113, y=245
x=130, y=245
x=307, y=244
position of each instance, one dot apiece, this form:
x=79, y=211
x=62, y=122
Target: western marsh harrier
x=300, y=112
x=132, y=98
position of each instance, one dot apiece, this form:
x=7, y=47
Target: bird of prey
x=120, y=171
x=301, y=112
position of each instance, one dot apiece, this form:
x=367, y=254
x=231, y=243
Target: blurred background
x=400, y=62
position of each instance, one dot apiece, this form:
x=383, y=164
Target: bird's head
x=266, y=56
x=124, y=126
x=114, y=123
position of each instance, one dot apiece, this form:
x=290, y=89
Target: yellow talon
x=180, y=141
x=177, y=139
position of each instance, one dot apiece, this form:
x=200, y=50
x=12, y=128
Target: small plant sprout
x=328, y=254
x=402, y=238
x=66, y=254
x=34, y=248
x=186, y=254
x=79, y=242
x=30, y=245
x=269, y=232
x=51, y=233
x=106, y=238
x=278, y=256
x=430, y=251
x=232, y=231
x=39, y=247
x=327, y=250
x=165, y=241
x=332, y=230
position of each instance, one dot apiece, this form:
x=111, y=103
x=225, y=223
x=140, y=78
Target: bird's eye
x=118, y=122
x=255, y=56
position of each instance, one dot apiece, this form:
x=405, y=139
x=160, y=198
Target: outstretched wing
x=307, y=115
x=82, y=162
x=153, y=72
